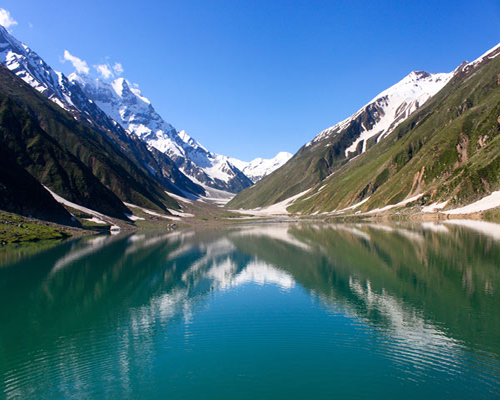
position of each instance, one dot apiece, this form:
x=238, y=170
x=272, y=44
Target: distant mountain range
x=261, y=167
x=431, y=139
x=109, y=104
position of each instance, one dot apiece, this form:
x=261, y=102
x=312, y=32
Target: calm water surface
x=265, y=311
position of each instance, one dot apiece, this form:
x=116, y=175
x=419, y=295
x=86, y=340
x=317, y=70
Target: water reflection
x=109, y=309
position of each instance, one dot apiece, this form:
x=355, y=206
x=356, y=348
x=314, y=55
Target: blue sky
x=250, y=78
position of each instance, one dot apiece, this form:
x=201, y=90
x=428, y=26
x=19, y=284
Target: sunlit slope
x=446, y=150
x=349, y=138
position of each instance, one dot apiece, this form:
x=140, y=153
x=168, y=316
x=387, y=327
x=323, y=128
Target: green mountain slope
x=447, y=150
x=305, y=169
x=76, y=161
x=21, y=193
x=43, y=158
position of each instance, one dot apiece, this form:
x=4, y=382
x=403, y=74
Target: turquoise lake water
x=367, y=311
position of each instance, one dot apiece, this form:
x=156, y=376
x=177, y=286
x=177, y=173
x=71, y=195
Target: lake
x=264, y=311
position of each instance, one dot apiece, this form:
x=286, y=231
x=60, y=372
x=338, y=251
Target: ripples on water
x=266, y=311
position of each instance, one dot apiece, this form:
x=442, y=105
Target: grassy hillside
x=448, y=150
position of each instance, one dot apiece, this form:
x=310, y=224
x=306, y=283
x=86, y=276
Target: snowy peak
x=54, y=85
x=124, y=103
x=387, y=110
x=261, y=167
x=120, y=86
x=33, y=70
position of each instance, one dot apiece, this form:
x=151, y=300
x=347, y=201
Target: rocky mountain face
x=33, y=70
x=261, y=167
x=125, y=104
x=444, y=155
x=54, y=85
x=70, y=158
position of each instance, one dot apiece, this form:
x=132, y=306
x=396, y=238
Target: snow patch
x=400, y=204
x=150, y=212
x=86, y=210
x=95, y=220
x=180, y=214
x=135, y=218
x=274, y=209
x=178, y=198
x=353, y=206
x=486, y=203
x=434, y=207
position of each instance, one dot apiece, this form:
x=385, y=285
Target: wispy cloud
x=118, y=68
x=107, y=71
x=79, y=64
x=104, y=70
x=6, y=19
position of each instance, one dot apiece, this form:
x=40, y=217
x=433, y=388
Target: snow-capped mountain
x=261, y=167
x=31, y=68
x=387, y=110
x=331, y=148
x=125, y=104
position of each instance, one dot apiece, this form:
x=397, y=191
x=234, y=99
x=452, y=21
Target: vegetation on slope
x=21, y=193
x=16, y=229
x=41, y=156
x=448, y=150
x=41, y=118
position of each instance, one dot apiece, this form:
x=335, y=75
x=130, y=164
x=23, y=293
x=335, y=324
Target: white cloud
x=79, y=64
x=104, y=70
x=6, y=19
x=118, y=68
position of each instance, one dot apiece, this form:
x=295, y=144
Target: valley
x=425, y=148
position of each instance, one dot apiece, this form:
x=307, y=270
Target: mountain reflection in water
x=415, y=306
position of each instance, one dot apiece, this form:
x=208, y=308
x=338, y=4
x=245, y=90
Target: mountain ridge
x=135, y=113
x=343, y=141
x=30, y=67
x=325, y=162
